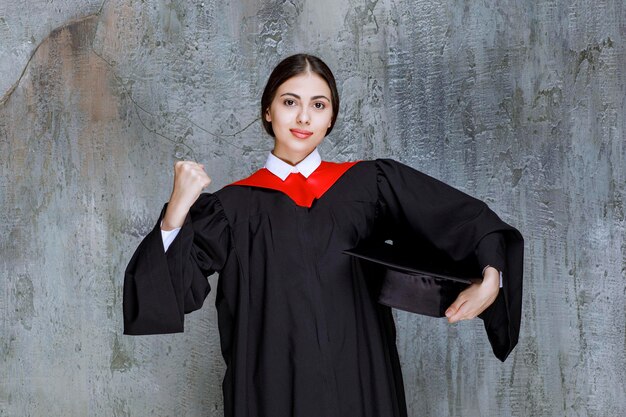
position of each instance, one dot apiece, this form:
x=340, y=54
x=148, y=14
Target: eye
x=319, y=105
x=289, y=102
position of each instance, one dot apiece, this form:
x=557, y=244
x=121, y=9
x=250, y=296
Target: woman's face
x=300, y=114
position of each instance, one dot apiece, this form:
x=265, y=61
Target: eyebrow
x=298, y=97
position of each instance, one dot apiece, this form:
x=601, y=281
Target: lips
x=302, y=134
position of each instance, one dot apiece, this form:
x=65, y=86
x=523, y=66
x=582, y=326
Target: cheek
x=281, y=117
x=326, y=120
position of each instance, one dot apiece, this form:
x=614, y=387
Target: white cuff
x=168, y=236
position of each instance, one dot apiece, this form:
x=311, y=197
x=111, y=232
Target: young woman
x=301, y=331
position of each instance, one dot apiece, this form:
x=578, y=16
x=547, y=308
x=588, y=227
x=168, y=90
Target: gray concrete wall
x=520, y=103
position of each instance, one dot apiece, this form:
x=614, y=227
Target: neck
x=291, y=159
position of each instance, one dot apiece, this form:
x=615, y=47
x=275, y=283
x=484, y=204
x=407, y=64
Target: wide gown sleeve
x=411, y=202
x=160, y=287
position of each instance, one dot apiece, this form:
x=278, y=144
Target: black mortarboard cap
x=417, y=278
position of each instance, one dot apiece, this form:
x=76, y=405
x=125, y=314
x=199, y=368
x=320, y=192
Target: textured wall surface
x=519, y=103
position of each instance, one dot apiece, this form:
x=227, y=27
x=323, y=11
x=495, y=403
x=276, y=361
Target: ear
x=268, y=117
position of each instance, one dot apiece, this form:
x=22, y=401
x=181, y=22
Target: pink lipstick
x=302, y=134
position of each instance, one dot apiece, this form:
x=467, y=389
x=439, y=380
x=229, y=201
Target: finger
x=463, y=313
x=454, y=307
x=200, y=168
x=190, y=166
x=460, y=314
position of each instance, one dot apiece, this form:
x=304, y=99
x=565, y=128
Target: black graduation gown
x=300, y=329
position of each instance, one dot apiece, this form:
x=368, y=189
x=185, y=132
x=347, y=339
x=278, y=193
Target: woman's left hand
x=476, y=298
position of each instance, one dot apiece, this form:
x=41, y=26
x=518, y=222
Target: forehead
x=306, y=84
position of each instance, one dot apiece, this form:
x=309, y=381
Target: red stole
x=300, y=189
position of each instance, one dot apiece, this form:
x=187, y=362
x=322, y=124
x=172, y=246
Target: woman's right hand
x=189, y=181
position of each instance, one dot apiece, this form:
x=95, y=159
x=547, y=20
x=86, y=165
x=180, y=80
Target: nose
x=303, y=117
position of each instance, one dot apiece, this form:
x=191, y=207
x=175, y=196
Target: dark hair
x=290, y=67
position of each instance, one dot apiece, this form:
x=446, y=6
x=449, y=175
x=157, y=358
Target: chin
x=300, y=149
x=300, y=145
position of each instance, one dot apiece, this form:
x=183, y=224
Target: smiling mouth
x=302, y=134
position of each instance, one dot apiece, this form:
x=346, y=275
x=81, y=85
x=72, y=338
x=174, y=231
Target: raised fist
x=189, y=181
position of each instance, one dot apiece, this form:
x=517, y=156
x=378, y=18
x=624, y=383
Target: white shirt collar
x=282, y=169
